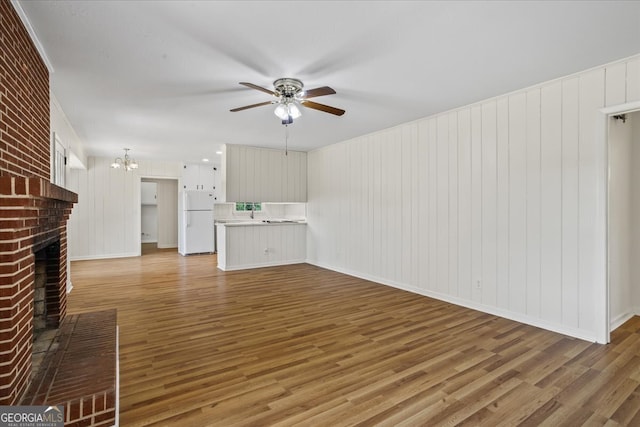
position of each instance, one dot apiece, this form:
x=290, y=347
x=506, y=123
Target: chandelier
x=127, y=162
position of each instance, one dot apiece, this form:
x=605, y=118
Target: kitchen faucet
x=251, y=214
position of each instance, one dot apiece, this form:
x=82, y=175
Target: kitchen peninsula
x=254, y=243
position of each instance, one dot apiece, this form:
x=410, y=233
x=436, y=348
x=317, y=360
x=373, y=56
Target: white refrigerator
x=196, y=231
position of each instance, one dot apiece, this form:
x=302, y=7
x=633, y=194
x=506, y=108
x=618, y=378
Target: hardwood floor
x=299, y=345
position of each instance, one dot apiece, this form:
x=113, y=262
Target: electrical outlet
x=478, y=284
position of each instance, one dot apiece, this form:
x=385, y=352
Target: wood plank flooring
x=299, y=345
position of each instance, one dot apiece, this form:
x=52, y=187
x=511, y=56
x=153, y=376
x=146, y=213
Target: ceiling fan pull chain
x=286, y=140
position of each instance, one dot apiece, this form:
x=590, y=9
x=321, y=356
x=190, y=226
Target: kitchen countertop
x=245, y=222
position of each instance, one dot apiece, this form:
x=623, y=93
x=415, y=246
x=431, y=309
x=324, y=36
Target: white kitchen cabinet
x=264, y=175
x=199, y=177
x=257, y=245
x=148, y=193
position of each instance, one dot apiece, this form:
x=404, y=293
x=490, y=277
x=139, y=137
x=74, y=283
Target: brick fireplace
x=33, y=212
x=34, y=215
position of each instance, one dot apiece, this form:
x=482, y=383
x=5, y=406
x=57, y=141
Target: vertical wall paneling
x=432, y=152
x=377, y=204
x=551, y=202
x=341, y=176
x=533, y=202
x=464, y=205
x=424, y=163
x=453, y=204
x=489, y=204
x=356, y=212
x=249, y=172
x=314, y=186
x=106, y=220
x=394, y=184
x=366, y=200
x=496, y=205
x=621, y=226
x=416, y=212
x=635, y=211
x=476, y=202
x=167, y=213
x=275, y=171
x=406, y=201
x=404, y=217
x=591, y=99
x=518, y=203
x=570, y=202
x=502, y=203
x=442, y=150
x=263, y=175
x=616, y=84
x=633, y=80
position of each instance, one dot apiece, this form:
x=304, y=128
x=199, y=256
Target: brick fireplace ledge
x=34, y=187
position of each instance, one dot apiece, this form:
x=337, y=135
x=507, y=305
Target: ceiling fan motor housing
x=288, y=88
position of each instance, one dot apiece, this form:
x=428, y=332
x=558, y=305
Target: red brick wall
x=24, y=101
x=33, y=212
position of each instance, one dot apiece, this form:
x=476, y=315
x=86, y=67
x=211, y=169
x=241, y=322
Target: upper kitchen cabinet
x=199, y=177
x=263, y=175
x=148, y=193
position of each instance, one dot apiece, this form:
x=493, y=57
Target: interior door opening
x=158, y=215
x=623, y=219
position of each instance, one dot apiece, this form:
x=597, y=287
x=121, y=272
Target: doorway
x=158, y=215
x=623, y=226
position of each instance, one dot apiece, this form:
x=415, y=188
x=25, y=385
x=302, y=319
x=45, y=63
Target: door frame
x=138, y=232
x=601, y=229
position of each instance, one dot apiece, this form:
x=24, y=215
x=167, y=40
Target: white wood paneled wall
x=622, y=226
x=167, y=213
x=254, y=174
x=105, y=223
x=491, y=206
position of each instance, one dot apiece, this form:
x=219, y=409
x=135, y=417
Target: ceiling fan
x=289, y=95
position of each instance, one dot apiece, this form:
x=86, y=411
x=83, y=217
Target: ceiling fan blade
x=322, y=107
x=251, y=106
x=260, y=88
x=319, y=91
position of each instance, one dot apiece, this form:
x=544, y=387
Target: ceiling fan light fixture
x=290, y=95
x=294, y=111
x=281, y=111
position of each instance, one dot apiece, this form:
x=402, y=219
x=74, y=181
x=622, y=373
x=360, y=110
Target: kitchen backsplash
x=269, y=211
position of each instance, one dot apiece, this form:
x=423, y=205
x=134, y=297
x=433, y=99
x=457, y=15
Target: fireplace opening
x=46, y=303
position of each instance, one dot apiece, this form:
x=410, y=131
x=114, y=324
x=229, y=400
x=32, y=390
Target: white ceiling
x=160, y=76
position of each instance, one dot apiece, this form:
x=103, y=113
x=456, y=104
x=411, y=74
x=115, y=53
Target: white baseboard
x=104, y=256
x=617, y=321
x=496, y=311
x=250, y=266
x=167, y=246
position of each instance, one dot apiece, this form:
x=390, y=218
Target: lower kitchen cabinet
x=242, y=246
